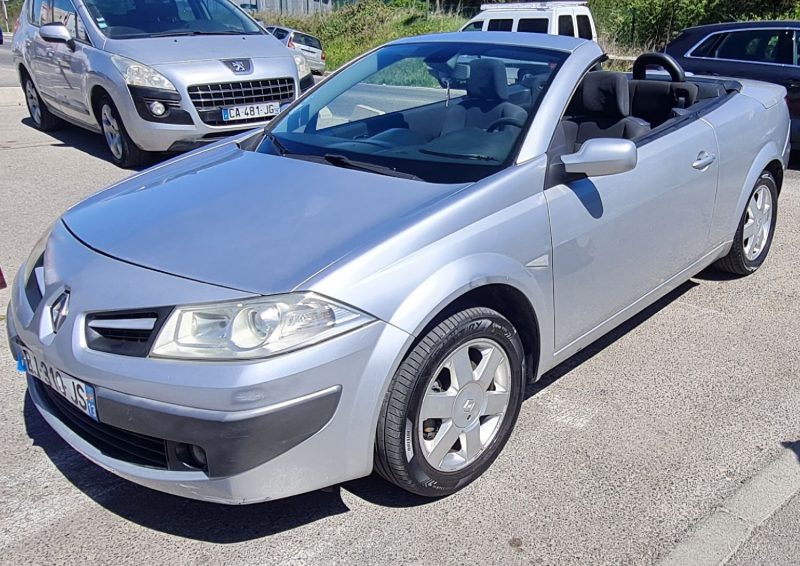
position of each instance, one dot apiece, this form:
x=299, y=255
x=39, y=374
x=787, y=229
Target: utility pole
x=5, y=15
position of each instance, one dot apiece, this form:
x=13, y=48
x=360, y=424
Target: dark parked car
x=765, y=51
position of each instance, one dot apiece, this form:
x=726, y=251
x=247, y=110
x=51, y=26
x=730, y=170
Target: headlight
x=36, y=253
x=254, y=328
x=302, y=66
x=137, y=74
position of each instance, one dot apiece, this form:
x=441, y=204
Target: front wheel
x=452, y=404
x=124, y=152
x=753, y=238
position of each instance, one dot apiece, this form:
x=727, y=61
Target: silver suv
x=152, y=75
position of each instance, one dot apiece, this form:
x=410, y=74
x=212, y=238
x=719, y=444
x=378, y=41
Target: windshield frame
x=243, y=16
x=516, y=148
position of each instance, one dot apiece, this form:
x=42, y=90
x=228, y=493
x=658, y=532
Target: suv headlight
x=137, y=74
x=254, y=328
x=302, y=66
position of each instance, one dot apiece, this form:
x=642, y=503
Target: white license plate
x=247, y=111
x=80, y=394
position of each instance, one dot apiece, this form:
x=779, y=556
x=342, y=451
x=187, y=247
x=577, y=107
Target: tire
x=406, y=448
x=43, y=119
x=124, y=152
x=747, y=254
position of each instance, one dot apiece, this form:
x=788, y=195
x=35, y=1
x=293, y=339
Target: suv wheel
x=43, y=119
x=124, y=152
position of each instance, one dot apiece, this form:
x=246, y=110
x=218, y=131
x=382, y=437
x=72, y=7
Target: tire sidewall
x=766, y=180
x=426, y=478
x=38, y=124
x=127, y=143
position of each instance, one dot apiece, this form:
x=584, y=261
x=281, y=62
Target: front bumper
x=152, y=134
x=270, y=428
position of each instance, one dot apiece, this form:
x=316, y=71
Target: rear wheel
x=452, y=405
x=43, y=119
x=124, y=152
x=753, y=238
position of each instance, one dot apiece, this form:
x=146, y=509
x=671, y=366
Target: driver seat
x=602, y=109
x=486, y=100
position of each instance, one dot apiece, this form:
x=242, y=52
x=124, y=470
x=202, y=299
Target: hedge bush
x=652, y=23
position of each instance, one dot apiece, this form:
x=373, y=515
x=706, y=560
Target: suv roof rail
x=532, y=5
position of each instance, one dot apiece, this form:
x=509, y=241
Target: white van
x=571, y=18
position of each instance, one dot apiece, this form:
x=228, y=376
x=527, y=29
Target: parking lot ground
x=618, y=455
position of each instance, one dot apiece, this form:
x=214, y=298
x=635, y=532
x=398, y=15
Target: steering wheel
x=507, y=121
x=666, y=62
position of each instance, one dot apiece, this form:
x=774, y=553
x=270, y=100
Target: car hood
x=249, y=221
x=181, y=49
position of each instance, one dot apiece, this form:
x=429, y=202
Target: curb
x=717, y=538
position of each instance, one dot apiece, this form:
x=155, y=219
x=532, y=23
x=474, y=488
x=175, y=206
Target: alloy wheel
x=464, y=405
x=32, y=98
x=758, y=224
x=111, y=130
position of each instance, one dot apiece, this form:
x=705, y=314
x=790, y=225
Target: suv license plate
x=248, y=111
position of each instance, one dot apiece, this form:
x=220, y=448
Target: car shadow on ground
x=223, y=524
x=90, y=143
x=794, y=447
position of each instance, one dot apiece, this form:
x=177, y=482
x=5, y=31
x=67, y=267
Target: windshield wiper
x=473, y=156
x=347, y=163
x=276, y=143
x=179, y=32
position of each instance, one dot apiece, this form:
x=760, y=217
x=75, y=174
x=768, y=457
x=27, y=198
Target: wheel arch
x=96, y=95
x=507, y=300
x=768, y=159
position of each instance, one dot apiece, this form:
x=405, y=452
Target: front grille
x=126, y=333
x=111, y=441
x=209, y=99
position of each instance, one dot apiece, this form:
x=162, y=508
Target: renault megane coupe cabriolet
x=370, y=281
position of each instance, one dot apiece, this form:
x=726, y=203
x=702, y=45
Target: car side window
x=35, y=12
x=757, y=46
x=533, y=25
x=500, y=25
x=796, y=48
x=584, y=27
x=565, y=26
x=474, y=26
x=64, y=13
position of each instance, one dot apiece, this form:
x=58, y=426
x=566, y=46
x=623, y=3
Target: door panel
x=617, y=238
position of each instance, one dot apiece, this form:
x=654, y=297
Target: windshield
x=444, y=112
x=126, y=19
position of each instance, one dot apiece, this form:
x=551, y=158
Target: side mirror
x=56, y=33
x=602, y=156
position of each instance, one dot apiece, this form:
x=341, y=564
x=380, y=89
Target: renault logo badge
x=59, y=311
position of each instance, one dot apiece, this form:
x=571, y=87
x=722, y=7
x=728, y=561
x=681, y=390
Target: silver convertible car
x=371, y=281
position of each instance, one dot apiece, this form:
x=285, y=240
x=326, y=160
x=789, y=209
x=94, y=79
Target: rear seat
x=654, y=101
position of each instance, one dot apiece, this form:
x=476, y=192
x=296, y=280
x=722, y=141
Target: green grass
x=355, y=28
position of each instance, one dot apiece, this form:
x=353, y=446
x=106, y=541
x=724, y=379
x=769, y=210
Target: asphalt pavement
x=620, y=455
x=8, y=77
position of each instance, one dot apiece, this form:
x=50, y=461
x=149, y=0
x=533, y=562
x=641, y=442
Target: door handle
x=704, y=160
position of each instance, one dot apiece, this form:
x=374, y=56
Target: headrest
x=461, y=72
x=487, y=80
x=606, y=93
